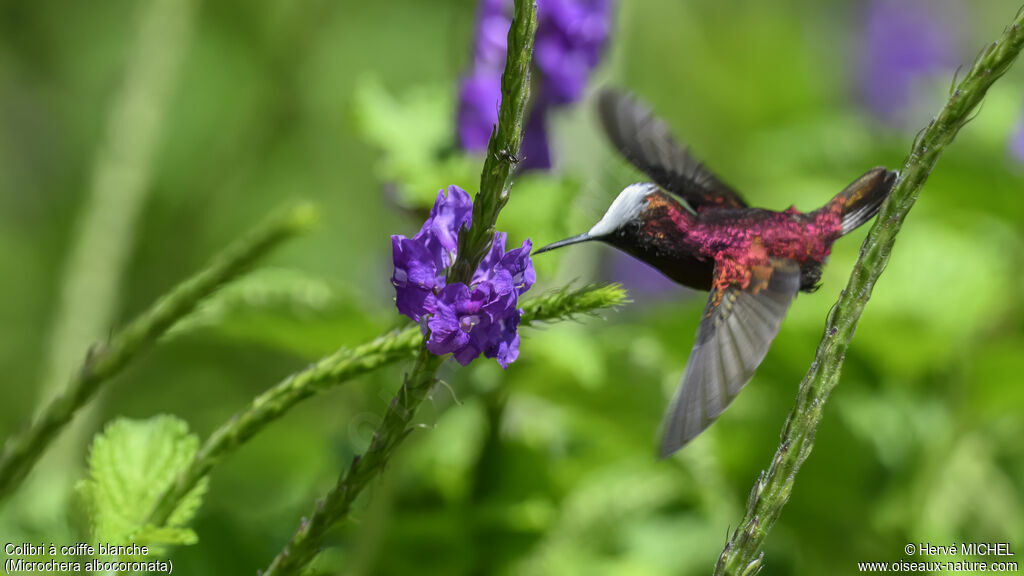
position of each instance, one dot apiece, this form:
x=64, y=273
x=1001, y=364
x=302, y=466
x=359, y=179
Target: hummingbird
x=699, y=232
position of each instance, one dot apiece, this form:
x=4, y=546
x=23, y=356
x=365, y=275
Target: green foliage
x=416, y=137
x=130, y=464
x=281, y=308
x=106, y=359
x=418, y=157
x=270, y=104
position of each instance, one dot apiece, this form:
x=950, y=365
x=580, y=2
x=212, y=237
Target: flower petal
x=414, y=277
x=446, y=335
x=519, y=265
x=479, y=98
x=440, y=233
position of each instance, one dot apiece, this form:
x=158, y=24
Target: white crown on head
x=628, y=205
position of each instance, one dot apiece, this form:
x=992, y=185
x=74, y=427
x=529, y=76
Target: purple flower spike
x=492, y=36
x=641, y=280
x=904, y=40
x=464, y=321
x=571, y=35
x=479, y=99
x=535, y=154
x=1017, y=142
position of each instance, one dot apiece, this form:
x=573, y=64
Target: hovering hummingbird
x=699, y=232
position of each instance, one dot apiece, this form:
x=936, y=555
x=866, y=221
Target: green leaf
x=416, y=135
x=131, y=463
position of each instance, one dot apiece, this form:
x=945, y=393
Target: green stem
x=503, y=146
x=104, y=233
x=120, y=182
x=343, y=366
x=742, y=555
x=473, y=246
x=335, y=506
x=105, y=360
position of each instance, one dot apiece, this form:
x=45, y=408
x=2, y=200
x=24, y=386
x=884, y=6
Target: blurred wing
x=646, y=142
x=733, y=338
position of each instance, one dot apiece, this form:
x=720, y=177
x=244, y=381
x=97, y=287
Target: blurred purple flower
x=463, y=320
x=535, y=152
x=479, y=98
x=642, y=281
x=570, y=37
x=1017, y=142
x=904, y=40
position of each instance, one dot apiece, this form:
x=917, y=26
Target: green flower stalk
x=345, y=365
x=104, y=232
x=473, y=245
x=105, y=360
x=503, y=145
x=742, y=555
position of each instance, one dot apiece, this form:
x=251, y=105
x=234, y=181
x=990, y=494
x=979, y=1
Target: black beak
x=574, y=240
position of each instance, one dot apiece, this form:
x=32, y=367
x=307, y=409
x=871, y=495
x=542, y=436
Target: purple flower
x=420, y=261
x=479, y=98
x=535, y=152
x=464, y=321
x=492, y=35
x=1017, y=142
x=904, y=41
x=642, y=281
x=468, y=322
x=571, y=35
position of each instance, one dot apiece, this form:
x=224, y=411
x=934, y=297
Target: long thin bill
x=574, y=240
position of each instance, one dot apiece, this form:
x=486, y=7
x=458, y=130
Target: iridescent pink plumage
x=698, y=231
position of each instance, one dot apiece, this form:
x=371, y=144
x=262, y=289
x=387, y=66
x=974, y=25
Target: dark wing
x=733, y=338
x=646, y=142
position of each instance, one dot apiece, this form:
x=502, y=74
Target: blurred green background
x=548, y=467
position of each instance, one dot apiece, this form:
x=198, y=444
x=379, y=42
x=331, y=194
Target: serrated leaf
x=167, y=536
x=131, y=463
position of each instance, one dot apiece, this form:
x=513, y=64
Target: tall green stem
x=105, y=229
x=473, y=245
x=105, y=360
x=742, y=555
x=503, y=145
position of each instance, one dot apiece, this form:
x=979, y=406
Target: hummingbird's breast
x=662, y=239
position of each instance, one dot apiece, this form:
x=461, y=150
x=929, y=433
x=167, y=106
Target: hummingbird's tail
x=860, y=201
